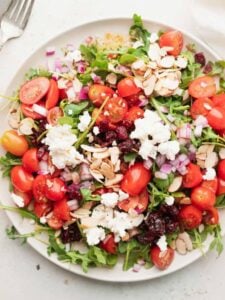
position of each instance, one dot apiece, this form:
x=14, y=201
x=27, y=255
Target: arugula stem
x=214, y=143
x=9, y=98
x=42, y=135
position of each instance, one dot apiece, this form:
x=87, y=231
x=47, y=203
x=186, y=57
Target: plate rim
x=31, y=241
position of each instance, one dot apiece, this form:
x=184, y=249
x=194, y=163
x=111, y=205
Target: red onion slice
x=40, y=110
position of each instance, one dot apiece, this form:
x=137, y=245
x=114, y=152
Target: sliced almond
x=138, y=82
x=111, y=78
x=117, y=165
x=211, y=160
x=89, y=222
x=81, y=213
x=14, y=120
x=175, y=185
x=186, y=238
x=97, y=175
x=181, y=246
x=167, y=61
x=222, y=153
x=107, y=171
x=185, y=201
x=96, y=164
x=101, y=155
x=26, y=126
x=114, y=154
x=114, y=181
x=93, y=149
x=149, y=85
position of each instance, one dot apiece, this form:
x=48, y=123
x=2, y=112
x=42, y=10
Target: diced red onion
x=192, y=149
x=66, y=176
x=43, y=168
x=160, y=160
x=182, y=170
x=182, y=157
x=58, y=65
x=83, y=95
x=143, y=102
x=71, y=93
x=198, y=130
x=73, y=204
x=166, y=168
x=45, y=156
x=96, y=78
x=183, y=141
x=39, y=109
x=201, y=120
x=136, y=268
x=65, y=69
x=141, y=262
x=89, y=40
x=170, y=118
x=50, y=51
x=184, y=131
x=124, y=70
x=81, y=67
x=86, y=184
x=70, y=47
x=84, y=172
x=148, y=164
x=55, y=76
x=160, y=175
x=164, y=109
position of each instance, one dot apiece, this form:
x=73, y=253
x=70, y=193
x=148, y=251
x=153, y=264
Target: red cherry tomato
x=219, y=100
x=133, y=100
x=172, y=39
x=203, y=198
x=216, y=118
x=221, y=169
x=190, y=217
x=34, y=90
x=221, y=187
x=161, y=259
x=55, y=223
x=221, y=132
x=41, y=209
x=52, y=97
x=134, y=113
x=211, y=216
x=30, y=161
x=201, y=87
x=21, y=179
x=27, y=197
x=28, y=111
x=201, y=106
x=135, y=179
x=102, y=191
x=39, y=186
x=54, y=114
x=127, y=87
x=61, y=210
x=211, y=184
x=193, y=176
x=98, y=93
x=109, y=244
x=55, y=189
x=138, y=203
x=115, y=109
x=14, y=143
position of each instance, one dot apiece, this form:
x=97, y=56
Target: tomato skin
x=41, y=209
x=221, y=187
x=55, y=223
x=61, y=210
x=201, y=87
x=173, y=39
x=190, y=217
x=28, y=112
x=55, y=189
x=127, y=87
x=109, y=244
x=52, y=97
x=134, y=113
x=221, y=169
x=98, y=93
x=30, y=161
x=34, y=90
x=211, y=184
x=216, y=118
x=203, y=198
x=211, y=216
x=27, y=197
x=138, y=203
x=14, y=143
x=135, y=179
x=115, y=110
x=54, y=114
x=161, y=259
x=193, y=176
x=21, y=179
x=201, y=106
x=219, y=100
x=38, y=189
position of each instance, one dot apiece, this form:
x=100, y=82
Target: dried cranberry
x=169, y=210
x=122, y=133
x=73, y=192
x=208, y=68
x=145, y=238
x=128, y=124
x=71, y=234
x=103, y=126
x=126, y=146
x=155, y=224
x=200, y=58
x=171, y=226
x=110, y=136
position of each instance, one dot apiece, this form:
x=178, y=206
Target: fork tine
x=26, y=15
x=21, y=10
x=12, y=8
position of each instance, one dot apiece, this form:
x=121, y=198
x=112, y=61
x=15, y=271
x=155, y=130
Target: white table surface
x=19, y=278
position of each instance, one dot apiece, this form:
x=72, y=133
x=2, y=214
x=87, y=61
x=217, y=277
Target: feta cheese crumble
x=60, y=140
x=170, y=149
x=110, y=199
x=96, y=130
x=210, y=174
x=85, y=120
x=162, y=243
x=17, y=200
x=94, y=235
x=169, y=200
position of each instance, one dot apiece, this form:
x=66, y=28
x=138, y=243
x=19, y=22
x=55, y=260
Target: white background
x=19, y=278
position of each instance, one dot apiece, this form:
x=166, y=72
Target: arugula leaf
x=163, y=184
x=33, y=73
x=66, y=120
x=217, y=243
x=7, y=162
x=129, y=156
x=13, y=234
x=220, y=201
x=88, y=52
x=127, y=59
x=88, y=196
x=73, y=109
x=84, y=78
x=21, y=211
x=139, y=32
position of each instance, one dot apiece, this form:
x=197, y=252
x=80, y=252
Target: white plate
x=77, y=36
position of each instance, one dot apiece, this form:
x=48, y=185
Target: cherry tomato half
x=201, y=87
x=109, y=244
x=55, y=189
x=52, y=97
x=219, y=100
x=201, y=106
x=193, y=176
x=190, y=217
x=14, y=143
x=221, y=169
x=211, y=216
x=21, y=179
x=34, y=90
x=138, y=203
x=98, y=93
x=27, y=197
x=211, y=184
x=41, y=209
x=28, y=111
x=127, y=87
x=172, y=39
x=39, y=185
x=61, y=210
x=135, y=179
x=221, y=187
x=54, y=114
x=30, y=161
x=115, y=109
x=134, y=113
x=161, y=259
x=203, y=198
x=55, y=223
x=216, y=118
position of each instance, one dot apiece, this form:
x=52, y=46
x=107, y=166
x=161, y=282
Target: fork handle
x=3, y=40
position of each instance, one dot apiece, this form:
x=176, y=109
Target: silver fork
x=15, y=20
